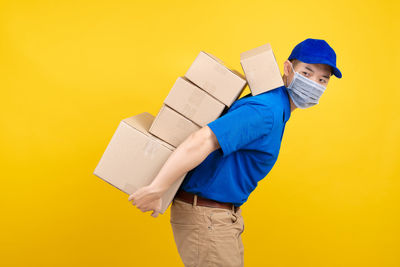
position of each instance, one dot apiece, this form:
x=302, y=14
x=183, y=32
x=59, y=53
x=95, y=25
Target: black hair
x=294, y=61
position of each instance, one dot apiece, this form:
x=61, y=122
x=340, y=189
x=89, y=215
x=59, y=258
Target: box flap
x=213, y=57
x=255, y=51
x=142, y=122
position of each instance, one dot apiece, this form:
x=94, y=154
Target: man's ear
x=286, y=68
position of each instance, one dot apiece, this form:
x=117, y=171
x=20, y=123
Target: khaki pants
x=207, y=236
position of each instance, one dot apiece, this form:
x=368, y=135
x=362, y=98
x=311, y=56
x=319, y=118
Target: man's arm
x=189, y=154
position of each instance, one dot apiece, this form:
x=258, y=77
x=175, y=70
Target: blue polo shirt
x=250, y=135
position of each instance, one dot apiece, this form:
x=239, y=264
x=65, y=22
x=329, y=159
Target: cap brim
x=336, y=72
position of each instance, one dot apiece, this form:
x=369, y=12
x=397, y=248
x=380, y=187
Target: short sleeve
x=237, y=128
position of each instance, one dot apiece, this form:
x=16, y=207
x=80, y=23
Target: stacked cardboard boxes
x=141, y=144
x=197, y=99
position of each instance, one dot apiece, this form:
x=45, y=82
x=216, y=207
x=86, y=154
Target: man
x=228, y=157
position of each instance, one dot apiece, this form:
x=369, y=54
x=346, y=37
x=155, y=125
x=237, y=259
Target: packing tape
x=151, y=148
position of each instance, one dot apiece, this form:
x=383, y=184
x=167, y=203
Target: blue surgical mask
x=304, y=92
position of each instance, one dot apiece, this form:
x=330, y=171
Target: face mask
x=303, y=91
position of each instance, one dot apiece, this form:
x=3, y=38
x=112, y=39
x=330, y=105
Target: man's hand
x=189, y=154
x=147, y=198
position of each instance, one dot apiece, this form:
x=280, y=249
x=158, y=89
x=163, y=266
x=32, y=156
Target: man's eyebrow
x=309, y=68
x=325, y=76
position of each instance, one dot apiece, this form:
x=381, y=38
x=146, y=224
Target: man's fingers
x=138, y=194
x=145, y=208
x=155, y=214
x=131, y=197
x=134, y=195
x=146, y=201
x=143, y=199
x=156, y=211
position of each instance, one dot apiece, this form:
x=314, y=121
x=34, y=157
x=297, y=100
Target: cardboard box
x=171, y=126
x=193, y=103
x=261, y=69
x=134, y=157
x=211, y=75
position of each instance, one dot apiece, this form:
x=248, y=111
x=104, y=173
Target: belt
x=201, y=201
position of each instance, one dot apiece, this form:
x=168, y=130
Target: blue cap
x=316, y=51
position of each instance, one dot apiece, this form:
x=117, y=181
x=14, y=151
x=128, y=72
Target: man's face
x=319, y=73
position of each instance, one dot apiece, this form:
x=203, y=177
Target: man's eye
x=305, y=73
x=322, y=80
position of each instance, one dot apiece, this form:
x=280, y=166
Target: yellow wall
x=71, y=70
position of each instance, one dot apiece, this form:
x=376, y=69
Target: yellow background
x=71, y=70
